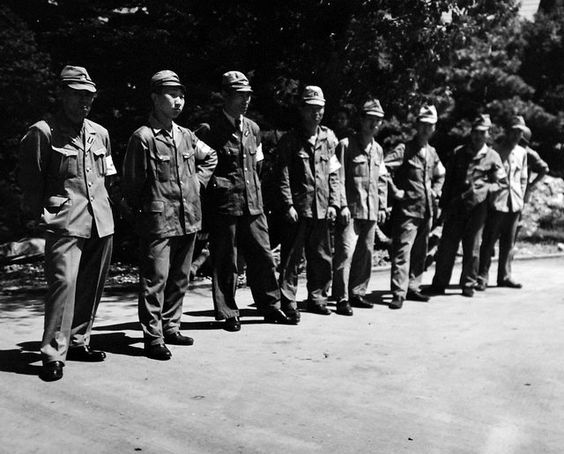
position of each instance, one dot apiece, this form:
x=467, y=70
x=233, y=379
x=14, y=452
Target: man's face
x=514, y=135
x=311, y=115
x=369, y=124
x=425, y=130
x=76, y=104
x=478, y=138
x=341, y=120
x=169, y=102
x=237, y=102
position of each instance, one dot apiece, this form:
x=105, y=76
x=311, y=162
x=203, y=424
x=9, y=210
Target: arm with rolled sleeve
x=34, y=149
x=524, y=175
x=341, y=152
x=334, y=170
x=438, y=178
x=383, y=183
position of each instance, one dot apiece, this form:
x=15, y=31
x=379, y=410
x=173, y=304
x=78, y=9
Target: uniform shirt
x=308, y=172
x=419, y=173
x=363, y=177
x=234, y=188
x=163, y=173
x=470, y=177
x=510, y=198
x=62, y=176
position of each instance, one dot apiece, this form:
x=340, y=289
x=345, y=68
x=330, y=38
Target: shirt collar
x=158, y=127
x=232, y=120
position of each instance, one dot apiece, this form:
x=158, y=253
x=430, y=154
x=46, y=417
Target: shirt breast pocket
x=359, y=166
x=189, y=162
x=162, y=167
x=65, y=162
x=100, y=160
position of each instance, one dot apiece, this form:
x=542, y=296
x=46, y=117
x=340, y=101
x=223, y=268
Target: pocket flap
x=156, y=206
x=303, y=154
x=360, y=158
x=163, y=157
x=188, y=154
x=65, y=151
x=100, y=152
x=56, y=201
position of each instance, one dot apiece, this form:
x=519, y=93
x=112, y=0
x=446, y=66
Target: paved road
x=482, y=375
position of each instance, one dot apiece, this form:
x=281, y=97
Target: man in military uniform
x=64, y=164
x=505, y=208
x=473, y=173
x=236, y=216
x=537, y=168
x=419, y=177
x=310, y=196
x=164, y=170
x=363, y=178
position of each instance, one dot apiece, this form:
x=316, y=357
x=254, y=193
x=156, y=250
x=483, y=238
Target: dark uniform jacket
x=421, y=177
x=162, y=179
x=363, y=177
x=62, y=176
x=470, y=179
x=308, y=174
x=234, y=188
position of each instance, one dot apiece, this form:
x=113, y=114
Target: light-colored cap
x=428, y=114
x=313, y=95
x=235, y=81
x=518, y=122
x=482, y=122
x=373, y=107
x=77, y=78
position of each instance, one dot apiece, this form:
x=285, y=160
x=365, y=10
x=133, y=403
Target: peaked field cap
x=373, y=107
x=77, y=78
x=235, y=81
x=166, y=78
x=313, y=95
x=428, y=114
x=482, y=122
x=527, y=134
x=518, y=122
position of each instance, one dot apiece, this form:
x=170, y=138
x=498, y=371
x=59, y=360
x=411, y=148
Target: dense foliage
x=463, y=55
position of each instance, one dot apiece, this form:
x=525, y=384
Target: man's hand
x=292, y=215
x=331, y=214
x=381, y=218
x=345, y=216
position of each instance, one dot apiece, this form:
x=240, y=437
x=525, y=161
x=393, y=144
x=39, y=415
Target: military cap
x=527, y=134
x=373, y=107
x=482, y=122
x=518, y=122
x=428, y=114
x=235, y=81
x=313, y=95
x=77, y=78
x=165, y=78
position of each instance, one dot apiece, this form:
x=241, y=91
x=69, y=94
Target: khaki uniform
x=504, y=214
x=62, y=176
x=309, y=181
x=470, y=179
x=420, y=174
x=237, y=219
x=364, y=180
x=163, y=174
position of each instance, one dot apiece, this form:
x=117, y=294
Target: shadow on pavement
x=118, y=344
x=19, y=361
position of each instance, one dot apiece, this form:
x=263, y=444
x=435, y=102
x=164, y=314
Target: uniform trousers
x=502, y=226
x=248, y=233
x=75, y=269
x=313, y=236
x=410, y=237
x=464, y=224
x=164, y=271
x=352, y=262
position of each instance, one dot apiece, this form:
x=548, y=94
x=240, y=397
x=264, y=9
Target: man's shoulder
x=96, y=127
x=252, y=124
x=144, y=133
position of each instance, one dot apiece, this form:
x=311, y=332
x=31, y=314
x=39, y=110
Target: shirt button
x=88, y=169
x=92, y=198
x=89, y=184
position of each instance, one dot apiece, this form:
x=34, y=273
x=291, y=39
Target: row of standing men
x=168, y=171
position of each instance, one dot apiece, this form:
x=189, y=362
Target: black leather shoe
x=509, y=283
x=318, y=308
x=434, y=290
x=178, y=339
x=86, y=354
x=158, y=352
x=275, y=316
x=417, y=296
x=232, y=324
x=344, y=308
x=481, y=286
x=52, y=371
x=359, y=301
x=293, y=315
x=396, y=303
x=468, y=292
